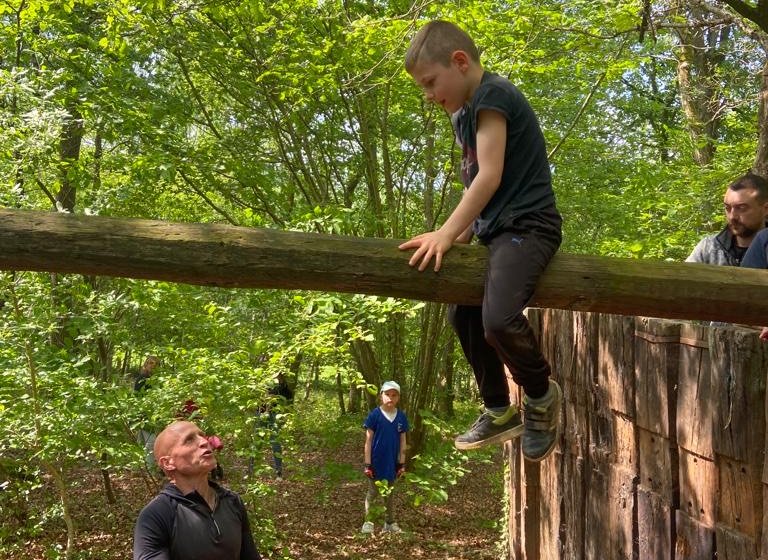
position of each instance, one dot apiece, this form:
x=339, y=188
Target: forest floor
x=316, y=512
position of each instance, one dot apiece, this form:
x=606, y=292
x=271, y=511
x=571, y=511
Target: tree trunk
x=699, y=53
x=761, y=158
x=108, y=491
x=340, y=392
x=422, y=394
x=353, y=400
x=238, y=257
x=368, y=365
x=69, y=152
x=445, y=387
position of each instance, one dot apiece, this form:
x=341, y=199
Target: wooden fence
x=662, y=450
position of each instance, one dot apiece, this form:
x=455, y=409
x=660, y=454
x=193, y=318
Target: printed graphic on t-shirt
x=468, y=165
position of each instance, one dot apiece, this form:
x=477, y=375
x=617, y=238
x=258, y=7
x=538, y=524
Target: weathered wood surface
x=678, y=472
x=238, y=257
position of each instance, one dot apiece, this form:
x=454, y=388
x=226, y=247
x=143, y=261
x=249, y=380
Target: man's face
x=745, y=212
x=191, y=452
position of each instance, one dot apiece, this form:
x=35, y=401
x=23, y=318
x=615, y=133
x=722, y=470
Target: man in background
x=746, y=210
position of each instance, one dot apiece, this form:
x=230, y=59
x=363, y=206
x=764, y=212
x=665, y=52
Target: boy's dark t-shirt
x=526, y=182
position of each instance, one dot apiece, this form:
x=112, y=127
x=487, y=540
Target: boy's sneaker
x=367, y=528
x=489, y=429
x=392, y=528
x=542, y=423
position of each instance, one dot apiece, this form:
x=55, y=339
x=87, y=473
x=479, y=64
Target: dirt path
x=320, y=519
x=317, y=512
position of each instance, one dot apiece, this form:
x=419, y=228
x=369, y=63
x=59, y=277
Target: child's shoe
x=489, y=429
x=392, y=528
x=542, y=423
x=367, y=528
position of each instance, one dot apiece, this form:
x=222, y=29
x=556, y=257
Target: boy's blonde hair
x=436, y=42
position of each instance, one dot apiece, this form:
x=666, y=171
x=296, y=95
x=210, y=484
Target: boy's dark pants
x=498, y=333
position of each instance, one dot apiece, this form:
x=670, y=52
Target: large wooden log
x=239, y=257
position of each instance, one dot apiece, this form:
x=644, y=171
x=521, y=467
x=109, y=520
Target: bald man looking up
x=192, y=518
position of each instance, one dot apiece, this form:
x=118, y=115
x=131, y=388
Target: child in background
x=385, y=430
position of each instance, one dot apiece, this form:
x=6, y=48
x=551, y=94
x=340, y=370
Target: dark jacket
x=175, y=526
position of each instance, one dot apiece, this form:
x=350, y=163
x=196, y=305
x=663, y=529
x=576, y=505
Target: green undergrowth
x=318, y=426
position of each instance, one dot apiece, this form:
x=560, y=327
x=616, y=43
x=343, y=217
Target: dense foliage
x=299, y=115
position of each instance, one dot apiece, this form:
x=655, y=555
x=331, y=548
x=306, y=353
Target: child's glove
x=368, y=470
x=399, y=469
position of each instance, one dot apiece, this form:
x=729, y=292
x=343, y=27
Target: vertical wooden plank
x=613, y=448
x=532, y=511
x=764, y=537
x=610, y=514
x=534, y=319
x=694, y=541
x=612, y=439
x=732, y=545
x=656, y=364
x=615, y=387
x=656, y=464
x=553, y=495
x=739, y=373
x=695, y=405
x=657, y=359
x=698, y=488
x=515, y=500
x=569, y=342
x=654, y=525
x=559, y=344
x=574, y=474
x=580, y=384
x=740, y=497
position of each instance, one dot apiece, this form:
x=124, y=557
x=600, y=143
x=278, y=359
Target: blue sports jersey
x=386, y=442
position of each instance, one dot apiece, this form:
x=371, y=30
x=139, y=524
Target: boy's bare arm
x=465, y=237
x=491, y=142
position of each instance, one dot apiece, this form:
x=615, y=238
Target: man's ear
x=166, y=463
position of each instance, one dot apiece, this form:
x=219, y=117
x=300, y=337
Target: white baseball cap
x=390, y=385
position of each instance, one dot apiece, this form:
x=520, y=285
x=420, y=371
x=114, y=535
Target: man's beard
x=740, y=230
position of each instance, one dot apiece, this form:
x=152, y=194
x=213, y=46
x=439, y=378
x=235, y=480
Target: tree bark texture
x=237, y=257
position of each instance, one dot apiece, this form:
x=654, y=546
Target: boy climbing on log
x=509, y=204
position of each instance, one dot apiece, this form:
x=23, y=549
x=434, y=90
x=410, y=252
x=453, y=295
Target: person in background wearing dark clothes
x=192, y=518
x=142, y=381
x=270, y=417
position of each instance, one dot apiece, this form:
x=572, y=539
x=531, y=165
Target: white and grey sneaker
x=392, y=528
